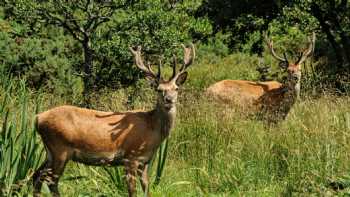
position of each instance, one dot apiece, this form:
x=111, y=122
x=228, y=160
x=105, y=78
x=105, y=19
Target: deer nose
x=294, y=77
x=167, y=99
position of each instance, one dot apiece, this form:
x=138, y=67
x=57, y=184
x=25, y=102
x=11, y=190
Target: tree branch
x=50, y=17
x=102, y=20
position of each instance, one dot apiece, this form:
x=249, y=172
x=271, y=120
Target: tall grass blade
x=162, y=155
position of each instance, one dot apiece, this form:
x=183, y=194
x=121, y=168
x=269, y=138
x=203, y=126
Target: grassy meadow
x=213, y=150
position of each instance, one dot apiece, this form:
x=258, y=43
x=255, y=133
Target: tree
x=333, y=17
x=80, y=18
x=240, y=18
x=156, y=25
x=105, y=29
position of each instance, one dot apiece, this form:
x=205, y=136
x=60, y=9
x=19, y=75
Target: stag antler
x=270, y=46
x=189, y=56
x=146, y=69
x=306, y=53
x=174, y=66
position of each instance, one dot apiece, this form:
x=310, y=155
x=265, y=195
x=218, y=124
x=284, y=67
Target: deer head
x=293, y=69
x=167, y=89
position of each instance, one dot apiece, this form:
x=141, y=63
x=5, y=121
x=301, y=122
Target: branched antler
x=189, y=56
x=306, y=53
x=270, y=46
x=145, y=68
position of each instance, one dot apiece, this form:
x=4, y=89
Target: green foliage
x=116, y=177
x=212, y=69
x=240, y=18
x=20, y=153
x=152, y=24
x=42, y=62
x=160, y=26
x=245, y=21
x=156, y=25
x=214, y=49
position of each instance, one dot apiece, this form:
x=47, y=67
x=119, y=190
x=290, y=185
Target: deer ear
x=151, y=80
x=181, y=79
x=149, y=77
x=283, y=65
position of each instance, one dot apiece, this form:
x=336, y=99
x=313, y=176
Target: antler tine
x=159, y=75
x=139, y=62
x=306, y=53
x=270, y=46
x=174, y=66
x=285, y=57
x=188, y=58
x=149, y=69
x=300, y=55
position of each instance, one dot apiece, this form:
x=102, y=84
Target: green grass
x=213, y=150
x=20, y=151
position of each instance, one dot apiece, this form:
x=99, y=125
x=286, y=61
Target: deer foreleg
x=131, y=171
x=143, y=174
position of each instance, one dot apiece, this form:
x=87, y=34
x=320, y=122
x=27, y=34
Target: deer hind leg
x=41, y=173
x=143, y=174
x=37, y=178
x=50, y=171
x=56, y=170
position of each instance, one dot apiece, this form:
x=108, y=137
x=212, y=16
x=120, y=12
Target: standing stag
x=272, y=98
x=110, y=138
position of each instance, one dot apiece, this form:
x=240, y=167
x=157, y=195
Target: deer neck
x=164, y=119
x=293, y=90
x=291, y=94
x=297, y=89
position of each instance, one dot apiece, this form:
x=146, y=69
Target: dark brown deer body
x=110, y=138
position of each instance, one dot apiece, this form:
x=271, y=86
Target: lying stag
x=272, y=97
x=110, y=138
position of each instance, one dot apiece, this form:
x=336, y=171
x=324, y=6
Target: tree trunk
x=87, y=77
x=336, y=16
x=337, y=49
x=317, y=13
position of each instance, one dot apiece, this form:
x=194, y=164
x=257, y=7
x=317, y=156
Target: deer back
x=240, y=92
